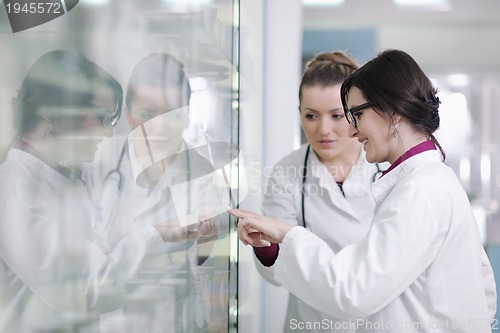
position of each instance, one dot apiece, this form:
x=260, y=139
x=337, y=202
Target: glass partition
x=119, y=140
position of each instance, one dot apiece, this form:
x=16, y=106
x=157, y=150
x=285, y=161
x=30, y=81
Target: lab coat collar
x=157, y=193
x=65, y=168
x=319, y=170
x=323, y=176
x=355, y=178
x=383, y=186
x=40, y=168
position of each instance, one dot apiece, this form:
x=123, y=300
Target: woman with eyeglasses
x=54, y=277
x=421, y=266
x=325, y=186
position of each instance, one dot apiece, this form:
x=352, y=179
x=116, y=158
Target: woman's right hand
x=258, y=230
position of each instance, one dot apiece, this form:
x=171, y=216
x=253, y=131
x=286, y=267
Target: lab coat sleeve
x=363, y=277
x=490, y=287
x=66, y=273
x=278, y=204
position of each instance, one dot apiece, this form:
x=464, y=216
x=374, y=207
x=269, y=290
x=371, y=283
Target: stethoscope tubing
x=304, y=180
x=303, y=187
x=121, y=178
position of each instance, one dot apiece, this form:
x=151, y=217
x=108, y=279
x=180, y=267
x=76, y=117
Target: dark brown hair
x=395, y=83
x=61, y=79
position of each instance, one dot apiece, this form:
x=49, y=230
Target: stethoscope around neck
x=304, y=180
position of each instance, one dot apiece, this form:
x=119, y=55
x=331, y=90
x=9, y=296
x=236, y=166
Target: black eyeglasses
x=350, y=114
x=106, y=116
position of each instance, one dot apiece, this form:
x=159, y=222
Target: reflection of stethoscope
x=304, y=179
x=113, y=185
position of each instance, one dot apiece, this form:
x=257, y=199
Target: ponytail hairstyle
x=162, y=71
x=327, y=69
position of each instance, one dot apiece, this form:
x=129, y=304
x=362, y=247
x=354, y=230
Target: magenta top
x=267, y=255
x=421, y=147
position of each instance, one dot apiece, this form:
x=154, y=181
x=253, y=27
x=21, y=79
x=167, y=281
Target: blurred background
x=245, y=58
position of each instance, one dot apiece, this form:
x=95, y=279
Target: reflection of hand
x=171, y=231
x=207, y=231
x=258, y=230
x=199, y=229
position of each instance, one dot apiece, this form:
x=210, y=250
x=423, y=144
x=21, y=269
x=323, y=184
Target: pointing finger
x=240, y=213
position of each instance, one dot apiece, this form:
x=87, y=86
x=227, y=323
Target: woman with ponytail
x=325, y=186
x=421, y=267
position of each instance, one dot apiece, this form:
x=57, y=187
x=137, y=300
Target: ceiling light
x=323, y=2
x=187, y=2
x=421, y=3
x=96, y=2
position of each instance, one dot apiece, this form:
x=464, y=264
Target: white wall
x=283, y=71
x=270, y=68
x=251, y=143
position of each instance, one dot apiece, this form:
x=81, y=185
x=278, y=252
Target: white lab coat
x=132, y=206
x=421, y=268
x=137, y=207
x=337, y=219
x=52, y=276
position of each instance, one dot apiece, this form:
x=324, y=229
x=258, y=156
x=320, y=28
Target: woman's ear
x=50, y=126
x=395, y=122
x=46, y=123
x=395, y=117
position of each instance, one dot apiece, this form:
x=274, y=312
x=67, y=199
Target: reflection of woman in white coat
x=421, y=267
x=156, y=109
x=53, y=276
x=324, y=186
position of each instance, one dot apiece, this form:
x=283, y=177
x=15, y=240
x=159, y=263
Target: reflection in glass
x=187, y=281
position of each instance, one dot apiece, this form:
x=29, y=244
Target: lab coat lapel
x=383, y=186
x=326, y=182
x=159, y=197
